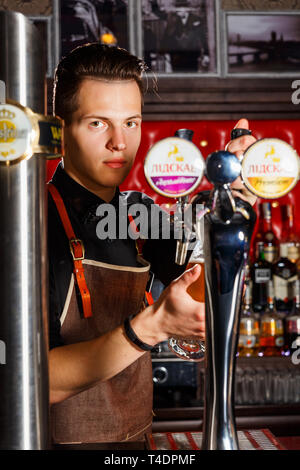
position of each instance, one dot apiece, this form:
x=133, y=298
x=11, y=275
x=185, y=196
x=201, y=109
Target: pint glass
x=192, y=348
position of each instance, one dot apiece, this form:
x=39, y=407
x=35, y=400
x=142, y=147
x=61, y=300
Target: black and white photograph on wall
x=263, y=43
x=85, y=21
x=179, y=35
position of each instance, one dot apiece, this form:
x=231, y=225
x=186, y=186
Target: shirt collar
x=81, y=199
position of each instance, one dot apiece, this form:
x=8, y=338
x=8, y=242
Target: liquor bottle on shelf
x=289, y=234
x=260, y=273
x=284, y=274
x=259, y=232
x=249, y=328
x=271, y=340
x=292, y=323
x=268, y=236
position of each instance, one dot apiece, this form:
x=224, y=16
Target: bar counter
x=287, y=442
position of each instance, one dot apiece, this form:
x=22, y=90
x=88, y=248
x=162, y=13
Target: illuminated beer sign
x=270, y=168
x=16, y=134
x=174, y=167
x=23, y=133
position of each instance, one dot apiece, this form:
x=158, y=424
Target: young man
x=100, y=372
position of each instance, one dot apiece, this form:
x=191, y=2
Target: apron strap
x=139, y=243
x=77, y=251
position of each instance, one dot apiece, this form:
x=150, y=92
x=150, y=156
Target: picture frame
x=140, y=25
x=180, y=38
x=260, y=43
x=84, y=21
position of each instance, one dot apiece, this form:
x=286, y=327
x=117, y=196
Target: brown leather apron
x=121, y=407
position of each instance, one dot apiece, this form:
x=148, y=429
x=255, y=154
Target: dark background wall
x=200, y=97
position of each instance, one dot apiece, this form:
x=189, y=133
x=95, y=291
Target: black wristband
x=133, y=337
x=237, y=132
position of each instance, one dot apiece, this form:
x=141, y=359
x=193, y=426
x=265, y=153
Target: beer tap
x=269, y=169
x=227, y=233
x=185, y=227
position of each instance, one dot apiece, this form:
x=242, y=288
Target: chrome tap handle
x=222, y=168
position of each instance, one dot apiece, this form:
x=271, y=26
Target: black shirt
x=82, y=207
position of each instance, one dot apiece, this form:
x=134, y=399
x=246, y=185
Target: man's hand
x=175, y=313
x=238, y=147
x=77, y=367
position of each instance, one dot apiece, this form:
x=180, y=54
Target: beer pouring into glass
x=174, y=167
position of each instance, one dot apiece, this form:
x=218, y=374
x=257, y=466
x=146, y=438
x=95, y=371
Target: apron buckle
x=77, y=249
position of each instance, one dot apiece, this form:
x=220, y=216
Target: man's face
x=104, y=135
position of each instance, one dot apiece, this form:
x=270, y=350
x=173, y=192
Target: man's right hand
x=77, y=367
x=175, y=313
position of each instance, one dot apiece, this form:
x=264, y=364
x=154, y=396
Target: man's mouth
x=115, y=162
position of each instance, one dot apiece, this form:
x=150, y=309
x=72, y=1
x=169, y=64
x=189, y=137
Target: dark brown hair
x=96, y=61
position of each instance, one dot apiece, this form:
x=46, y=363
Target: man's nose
x=117, y=140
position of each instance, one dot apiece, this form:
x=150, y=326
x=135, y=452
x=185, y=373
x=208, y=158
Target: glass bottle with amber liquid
x=268, y=236
x=292, y=323
x=271, y=340
x=248, y=344
x=259, y=233
x=288, y=234
x=284, y=275
x=260, y=273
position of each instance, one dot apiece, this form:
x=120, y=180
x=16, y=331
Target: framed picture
x=83, y=21
x=261, y=43
x=179, y=36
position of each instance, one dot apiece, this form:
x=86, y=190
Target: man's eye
x=96, y=124
x=131, y=124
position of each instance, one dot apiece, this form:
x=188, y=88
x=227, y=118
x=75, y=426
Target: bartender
x=101, y=329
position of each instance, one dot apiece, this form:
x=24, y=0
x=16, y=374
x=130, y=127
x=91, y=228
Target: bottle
x=269, y=237
x=271, y=341
x=260, y=272
x=284, y=274
x=249, y=328
x=292, y=323
x=259, y=233
x=289, y=234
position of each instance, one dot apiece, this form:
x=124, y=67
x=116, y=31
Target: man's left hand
x=238, y=147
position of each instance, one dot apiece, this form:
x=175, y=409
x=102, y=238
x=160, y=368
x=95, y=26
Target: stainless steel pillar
x=24, y=375
x=24, y=403
x=22, y=64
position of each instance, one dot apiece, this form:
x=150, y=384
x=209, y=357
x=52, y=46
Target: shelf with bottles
x=272, y=280
x=276, y=224
x=270, y=333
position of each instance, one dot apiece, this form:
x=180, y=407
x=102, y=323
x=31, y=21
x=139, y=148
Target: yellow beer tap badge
x=270, y=168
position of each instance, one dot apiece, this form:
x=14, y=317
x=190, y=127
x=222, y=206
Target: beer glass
x=192, y=348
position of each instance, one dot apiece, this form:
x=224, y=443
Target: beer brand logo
x=15, y=133
x=270, y=168
x=56, y=133
x=8, y=130
x=272, y=153
x=175, y=152
x=174, y=167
